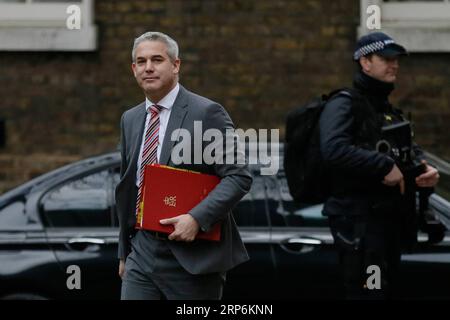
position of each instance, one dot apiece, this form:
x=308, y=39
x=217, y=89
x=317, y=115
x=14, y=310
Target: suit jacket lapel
x=177, y=116
x=137, y=136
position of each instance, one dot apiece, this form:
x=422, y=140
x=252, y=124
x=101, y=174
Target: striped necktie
x=150, y=150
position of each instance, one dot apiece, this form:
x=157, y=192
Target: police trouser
x=369, y=254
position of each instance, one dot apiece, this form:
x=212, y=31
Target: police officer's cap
x=379, y=43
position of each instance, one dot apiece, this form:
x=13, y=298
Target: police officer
x=375, y=171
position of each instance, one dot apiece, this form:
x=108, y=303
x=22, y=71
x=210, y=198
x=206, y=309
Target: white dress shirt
x=166, y=103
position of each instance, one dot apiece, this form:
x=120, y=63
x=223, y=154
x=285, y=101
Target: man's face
x=155, y=73
x=381, y=68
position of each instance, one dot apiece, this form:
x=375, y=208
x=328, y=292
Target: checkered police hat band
x=371, y=48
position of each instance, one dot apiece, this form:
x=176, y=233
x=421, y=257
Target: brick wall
x=258, y=58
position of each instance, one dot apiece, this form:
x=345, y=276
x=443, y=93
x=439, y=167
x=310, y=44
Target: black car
x=67, y=218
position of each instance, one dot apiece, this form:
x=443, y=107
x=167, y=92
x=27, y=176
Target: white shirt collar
x=166, y=102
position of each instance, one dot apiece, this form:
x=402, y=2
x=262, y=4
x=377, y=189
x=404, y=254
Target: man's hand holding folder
x=186, y=227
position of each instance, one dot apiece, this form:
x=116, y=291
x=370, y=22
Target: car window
x=443, y=187
x=13, y=216
x=285, y=212
x=251, y=210
x=274, y=205
x=84, y=202
x=115, y=181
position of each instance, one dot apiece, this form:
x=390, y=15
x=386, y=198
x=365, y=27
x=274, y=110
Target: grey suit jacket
x=199, y=256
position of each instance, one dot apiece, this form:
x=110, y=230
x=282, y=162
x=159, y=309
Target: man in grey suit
x=153, y=265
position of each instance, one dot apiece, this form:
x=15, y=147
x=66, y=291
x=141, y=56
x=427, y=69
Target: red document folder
x=169, y=192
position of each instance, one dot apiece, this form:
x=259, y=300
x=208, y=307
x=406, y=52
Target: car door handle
x=86, y=241
x=305, y=240
x=300, y=245
x=85, y=244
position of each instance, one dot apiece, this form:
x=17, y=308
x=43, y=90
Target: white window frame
x=41, y=26
x=421, y=26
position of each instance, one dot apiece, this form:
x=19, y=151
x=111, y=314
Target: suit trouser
x=152, y=272
x=362, y=242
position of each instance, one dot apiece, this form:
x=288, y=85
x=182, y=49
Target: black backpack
x=305, y=172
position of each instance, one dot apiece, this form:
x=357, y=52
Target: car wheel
x=23, y=296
